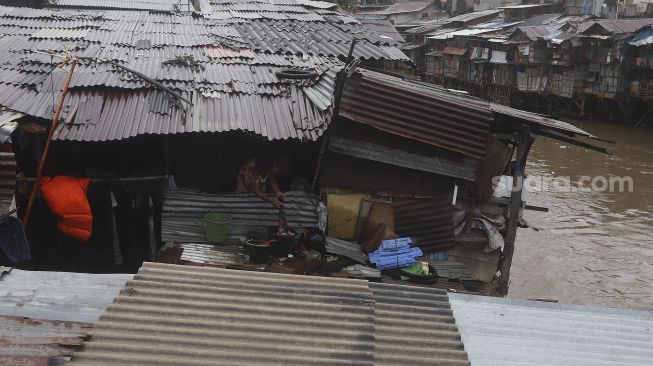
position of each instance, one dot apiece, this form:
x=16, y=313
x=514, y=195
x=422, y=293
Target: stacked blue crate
x=395, y=253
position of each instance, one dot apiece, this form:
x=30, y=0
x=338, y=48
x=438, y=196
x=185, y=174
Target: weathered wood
x=44, y=156
x=466, y=169
x=513, y=219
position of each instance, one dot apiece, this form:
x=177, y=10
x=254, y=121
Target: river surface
x=594, y=246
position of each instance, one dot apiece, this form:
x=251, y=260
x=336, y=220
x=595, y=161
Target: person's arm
x=258, y=192
x=275, y=188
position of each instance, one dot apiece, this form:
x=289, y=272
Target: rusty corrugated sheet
x=7, y=180
x=428, y=221
x=538, y=120
x=415, y=326
x=417, y=111
x=187, y=315
x=37, y=342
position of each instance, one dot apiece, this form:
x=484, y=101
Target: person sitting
x=254, y=176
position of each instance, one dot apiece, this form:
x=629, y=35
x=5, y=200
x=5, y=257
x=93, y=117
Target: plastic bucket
x=216, y=226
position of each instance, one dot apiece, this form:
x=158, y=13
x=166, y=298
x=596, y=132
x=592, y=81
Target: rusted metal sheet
x=37, y=342
x=187, y=315
x=538, y=120
x=415, y=326
x=7, y=180
x=417, y=111
x=496, y=160
x=428, y=221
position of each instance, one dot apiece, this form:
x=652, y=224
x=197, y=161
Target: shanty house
x=162, y=93
x=159, y=110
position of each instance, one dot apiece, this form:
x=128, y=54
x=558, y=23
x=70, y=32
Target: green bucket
x=216, y=226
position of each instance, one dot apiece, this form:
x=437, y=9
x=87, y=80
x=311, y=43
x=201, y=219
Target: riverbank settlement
x=570, y=63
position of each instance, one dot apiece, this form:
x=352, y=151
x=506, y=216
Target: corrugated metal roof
x=463, y=18
x=536, y=32
x=155, y=5
x=508, y=332
x=224, y=65
x=614, y=26
x=183, y=213
x=417, y=111
x=60, y=296
x=173, y=315
x=381, y=26
x=415, y=326
x=428, y=221
x=406, y=7
x=538, y=120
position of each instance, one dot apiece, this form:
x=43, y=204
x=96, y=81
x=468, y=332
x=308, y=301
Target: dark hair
x=264, y=164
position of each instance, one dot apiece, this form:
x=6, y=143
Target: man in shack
x=255, y=175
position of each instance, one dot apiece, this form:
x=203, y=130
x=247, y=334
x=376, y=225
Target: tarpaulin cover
x=66, y=197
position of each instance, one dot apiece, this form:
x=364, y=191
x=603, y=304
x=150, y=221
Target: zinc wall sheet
x=186, y=315
x=428, y=221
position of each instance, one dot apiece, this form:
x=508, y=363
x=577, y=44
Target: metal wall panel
x=183, y=213
x=186, y=315
x=428, y=221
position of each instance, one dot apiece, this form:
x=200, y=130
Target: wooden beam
x=505, y=261
x=465, y=169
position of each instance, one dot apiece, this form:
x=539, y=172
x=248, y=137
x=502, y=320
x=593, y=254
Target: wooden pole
x=505, y=263
x=44, y=156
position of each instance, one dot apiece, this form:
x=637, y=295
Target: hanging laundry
x=66, y=197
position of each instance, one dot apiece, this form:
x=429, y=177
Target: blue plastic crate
x=396, y=244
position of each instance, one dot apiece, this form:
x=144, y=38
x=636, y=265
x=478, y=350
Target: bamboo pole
x=44, y=156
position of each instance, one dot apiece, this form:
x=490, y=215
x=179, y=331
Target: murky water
x=594, y=246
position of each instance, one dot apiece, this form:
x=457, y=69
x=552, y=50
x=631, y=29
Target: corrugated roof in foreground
x=415, y=326
x=417, y=111
x=186, y=315
x=509, y=332
x=44, y=316
x=62, y=296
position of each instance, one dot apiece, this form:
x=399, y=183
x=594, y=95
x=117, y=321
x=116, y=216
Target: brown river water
x=594, y=246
